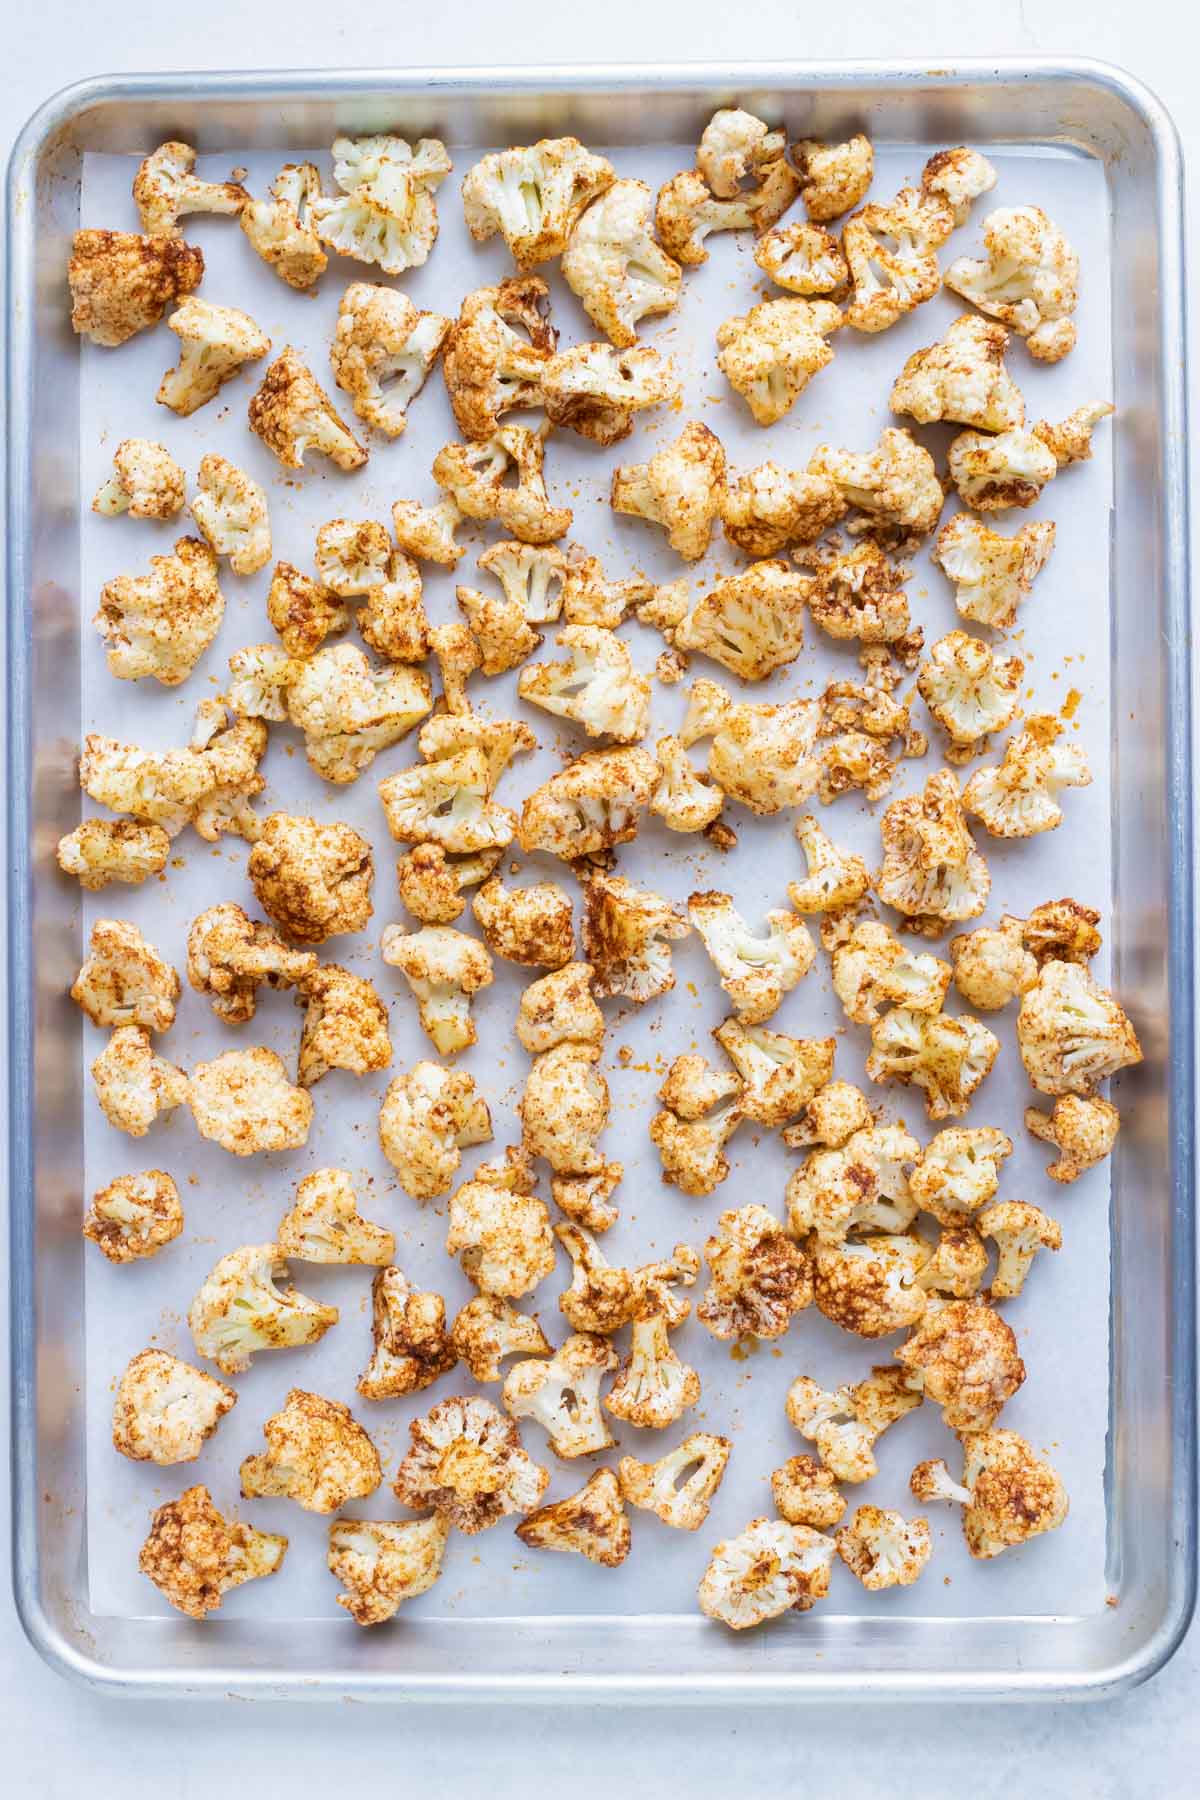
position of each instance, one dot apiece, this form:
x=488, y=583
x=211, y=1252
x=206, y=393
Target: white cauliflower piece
x=102, y=850
x=602, y=1298
x=614, y=264
x=500, y=1230
x=1071, y=440
x=765, y=508
x=1083, y=1131
x=386, y=212
x=947, y=1057
x=124, y=980
x=862, y=1186
x=833, y=177
x=240, y=1309
x=313, y=880
x=497, y=353
x=959, y=176
x=805, y=259
x=1072, y=1033
x=502, y=637
x=161, y=624
x=686, y=211
x=597, y=390
x=324, y=1224
x=533, y=577
x=447, y=802
x=762, y=756
x=588, y=1199
x=959, y=1171
x=281, y=228
x=683, y=798
x=992, y=473
x=590, y=598
x=756, y=971
x=304, y=612
x=681, y=488
x=122, y=283
x=963, y=1357
x=165, y=190
x=594, y=804
x=244, y=1101
x=831, y=1118
x=751, y=623
x=596, y=687
x=768, y=1568
x=1028, y=279
x=207, y=784
x=758, y=1278
x=475, y=476
x=433, y=885
x=891, y=251
x=1008, y=1494
x=467, y=1464
x=836, y=878
x=382, y=1565
x=345, y=1025
x=133, y=1085
x=869, y=1286
x=444, y=968
x=352, y=556
x=382, y=352
x=1018, y=1231
x=691, y=1149
x=564, y=1108
x=961, y=379
x=770, y=354
x=958, y=1265
x=559, y=1009
x=780, y=1074
x=992, y=574
x=627, y=938
x=530, y=925
x=1062, y=931
x=146, y=482
x=846, y=1423
x=489, y=1329
x=883, y=1548
x=231, y=511
x=230, y=955
x=805, y=1493
x=214, y=343
x=931, y=870
x=591, y=1523
x=872, y=969
x=349, y=711
x=427, y=1118
x=165, y=1410
x=412, y=1346
x=679, y=1487
x=194, y=1556
x=1018, y=798
x=653, y=1388
x=562, y=1393
x=292, y=413
x=317, y=1455
x=427, y=532
x=895, y=486
x=533, y=195
x=971, y=690
x=134, y=1216
x=992, y=965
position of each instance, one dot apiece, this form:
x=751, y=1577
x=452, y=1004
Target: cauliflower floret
x=466, y=1462
x=122, y=283
x=883, y=1548
x=458, y=657
x=1028, y=279
x=872, y=969
x=349, y=711
x=807, y=1494
x=691, y=1148
x=992, y=473
x=1062, y=931
x=448, y=802
x=1071, y=441
x=529, y=925
x=667, y=1489
x=971, y=690
x=281, y=228
x=134, y=1216
x=768, y=1568
x=592, y=1523
x=500, y=1230
x=958, y=1264
x=756, y=972
x=313, y=880
x=502, y=636
x=961, y=379
x=194, y=1556
x=596, y=390
x=587, y=1199
x=244, y=1101
x=963, y=1356
x=836, y=878
x=895, y=486
x=1072, y=1033
x=627, y=937
x=891, y=251
x=345, y=1025
x=412, y=1346
x=781, y=1074
x=432, y=885
x=560, y=1009
x=848, y=1422
x=1018, y=798
x=102, y=850
x=304, y=612
x=317, y=1455
x=427, y=1118
x=497, y=352
x=214, y=343
x=959, y=1171
x=770, y=354
x=766, y=508
x=831, y=1118
x=474, y=475
x=386, y=212
x=394, y=622
x=612, y=261
x=489, y=1329
x=165, y=1409
x=165, y=189
x=959, y=176
x=654, y=1388
x=133, y=1085
x=833, y=177
x=734, y=147
x=758, y=1278
x=858, y=594
x=147, y=482
x=596, y=687
x=681, y=488
x=763, y=756
x=444, y=968
x=804, y=259
x=564, y=1108
x=239, y=1310
x=352, y=556
x=533, y=577
x=227, y=756
x=947, y=1057
x=931, y=870
x=207, y=784
x=752, y=623
x=862, y=1186
x=602, y=1298
x=230, y=955
x=992, y=574
x=427, y=532
x=124, y=980
x=590, y=598
x=161, y=624
x=686, y=211
x=292, y=413
x=325, y=1225
x=231, y=511
x=594, y=804
x=869, y=1285
x=861, y=722
x=1018, y=1231
x=562, y=1393
x=1083, y=1131
x=991, y=965
x=1007, y=1493
x=683, y=798
x=533, y=195
x=383, y=1565
x=382, y=352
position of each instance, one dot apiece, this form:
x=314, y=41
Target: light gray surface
x=56, y=1738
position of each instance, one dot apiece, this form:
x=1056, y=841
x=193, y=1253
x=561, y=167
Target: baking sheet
x=1062, y=1320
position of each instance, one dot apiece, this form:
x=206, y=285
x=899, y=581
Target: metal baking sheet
x=1069, y=635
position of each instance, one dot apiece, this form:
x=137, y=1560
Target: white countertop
x=56, y=1740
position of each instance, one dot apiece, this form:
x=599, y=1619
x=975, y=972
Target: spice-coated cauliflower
x=683, y=798
x=244, y=1101
x=960, y=176
x=991, y=964
x=765, y=508
x=146, y=482
x=1062, y=931
x=239, y=1310
x=382, y=1565
x=931, y=870
x=304, y=612
x=161, y=624
x=444, y=968
x=292, y=413
x=971, y=690
x=412, y=1346
x=500, y=1230
x=861, y=1186
x=947, y=1057
x=831, y=1118
x=594, y=804
x=872, y=969
x=281, y=228
x=1018, y=798
x=134, y=1216
x=564, y=1108
x=806, y=1493
x=386, y=212
x=194, y=1556
x=122, y=283
x=1083, y=1131
x=833, y=177
x=891, y=251
x=124, y=980
x=534, y=578
x=503, y=637
x=961, y=379
x=751, y=623
x=208, y=784
x=133, y=1085
x=559, y=1009
x=165, y=1410
x=869, y=1285
x=895, y=487
x=992, y=473
x=588, y=1199
x=489, y=1329
x=214, y=342
x=348, y=711
x=767, y=1569
x=1028, y=279
x=690, y=1145
x=963, y=1357
x=591, y=1523
x=653, y=1387
x=102, y=850
x=602, y=1298
x=345, y=1025
x=805, y=259
x=497, y=352
x=475, y=475
x=427, y=532
x=959, y=1171
x=883, y=1548
x=165, y=190
x=448, y=802
x=231, y=512
x=614, y=264
x=758, y=1278
x=382, y=352
x=1009, y=1494
x=627, y=938
x=846, y=1423
x=427, y=1118
x=562, y=1393
x=317, y=1455
x=679, y=1487
x=770, y=354
x=466, y=1462
x=433, y=885
x=1070, y=441
x=1018, y=1231
x=352, y=556
x=313, y=880
x=230, y=955
x=534, y=195
x=530, y=925
x=780, y=1074
x=324, y=1224
x=756, y=970
x=992, y=574
x=596, y=686
x=597, y=390
x=687, y=210
x=763, y=756
x=1072, y=1033
x=858, y=595
x=680, y=488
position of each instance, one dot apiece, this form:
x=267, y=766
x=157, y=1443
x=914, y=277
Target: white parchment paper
x=1061, y=1320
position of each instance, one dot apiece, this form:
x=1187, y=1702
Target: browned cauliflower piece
x=244, y=1101
x=208, y=784
x=489, y=1329
x=352, y=556
x=895, y=487
x=443, y=968
x=805, y=1493
x=1072, y=1033
x=292, y=413
x=766, y=1570
x=770, y=354
x=1008, y=1494
x=325, y=1225
x=500, y=1230
x=161, y=624
x=427, y=532
x=165, y=1409
x=766, y=508
x=1083, y=1131
x=597, y=390
x=602, y=1298
x=239, y=1310
x=565, y=1107
x=762, y=756
x=475, y=475
x=382, y=1565
x=959, y=176
x=165, y=190
x=687, y=210
x=533, y=195
x=1018, y=798
x=588, y=1199
x=872, y=969
x=562, y=1393
x=653, y=1387
x=679, y=1487
x=230, y=955
x=386, y=212
x=559, y=1008
x=317, y=1455
x=214, y=342
x=133, y=1085
x=345, y=1025
x=963, y=1356
x=412, y=1346
x=146, y=482
x=194, y=1556
x=425, y=1121
x=971, y=690
x=231, y=513
x=947, y=1057
x=992, y=574
x=1062, y=931
x=1018, y=1231
x=883, y=1548
x=931, y=871
x=134, y=1216
x=833, y=177
x=1071, y=440
x=756, y=970
x=627, y=937
x=995, y=472
x=683, y=798
x=466, y=1462
x=957, y=1268
x=959, y=1171
x=961, y=379
x=596, y=686
x=348, y=711
x=1028, y=279
x=458, y=657
x=752, y=623
x=858, y=595
x=805, y=259
x=102, y=850
x=869, y=1285
x=304, y=612
x=497, y=352
x=590, y=598
x=122, y=283
x=830, y=1119
x=281, y=228
x=124, y=980
x=758, y=1278
x=503, y=638
x=681, y=488
x=530, y=925
x=861, y=1186
x=612, y=261
x=691, y=1142
x=382, y=352
x=891, y=251
x=846, y=1423
x=595, y=803
x=592, y=1523
x=448, y=802
x=862, y=722
x=991, y=964
x=780, y=1074
x=433, y=885
x=313, y=880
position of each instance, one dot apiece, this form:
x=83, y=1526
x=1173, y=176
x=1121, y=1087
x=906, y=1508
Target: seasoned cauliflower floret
x=382, y=352
x=562, y=1393
x=352, y=556
x=765, y=508
x=281, y=228
x=992, y=574
x=691, y=1142
x=239, y=1310
x=804, y=259
x=292, y=413
x=230, y=955
x=588, y=1199
x=1008, y=1494
x=780, y=1074
x=892, y=251
x=594, y=804
x=1083, y=1131
x=134, y=1216
x=412, y=1346
x=1028, y=279
x=597, y=390
x=862, y=1186
x=734, y=148
x=466, y=1463
x=872, y=969
x=592, y=1523
x=489, y=1329
x=681, y=488
x=124, y=980
x=1062, y=931
x=958, y=1265
x=846, y=1423
x=427, y=1118
x=833, y=177
x=947, y=1057
x=564, y=1108
x=530, y=925
x=448, y=802
x=751, y=623
x=870, y=1286
x=500, y=1230
x=602, y=1298
x=345, y=1025
x=231, y=512
x=1072, y=1033
x=194, y=1556
x=146, y=482
x=1071, y=440
x=627, y=937
x=1019, y=797
x=895, y=486
x=386, y=212
x=304, y=612
x=763, y=756
x=961, y=379
x=325, y=1225
x=831, y=1118
x=963, y=1357
x=687, y=210
x=805, y=1493
x=165, y=190
x=317, y=1455
x=959, y=1171
x=596, y=686
x=207, y=784
x=432, y=885
x=133, y=1085
x=992, y=966
x=858, y=595
x=758, y=1278
x=653, y=1387
x=165, y=1409
x=1018, y=1231
x=534, y=578
x=122, y=283
x=684, y=799
x=770, y=354
x=768, y=1568
x=244, y=1101
x=475, y=476
x=214, y=343
x=102, y=850
x=883, y=1548
x=558, y=1009
x=992, y=473
x=497, y=352
x=756, y=971
x=971, y=690
x=348, y=711
x=161, y=624
x=533, y=195
x=836, y=878
x=612, y=261
x=382, y=1565
x=427, y=532
x=313, y=880
x=444, y=968
x=931, y=870
x=959, y=176
x=679, y=1487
